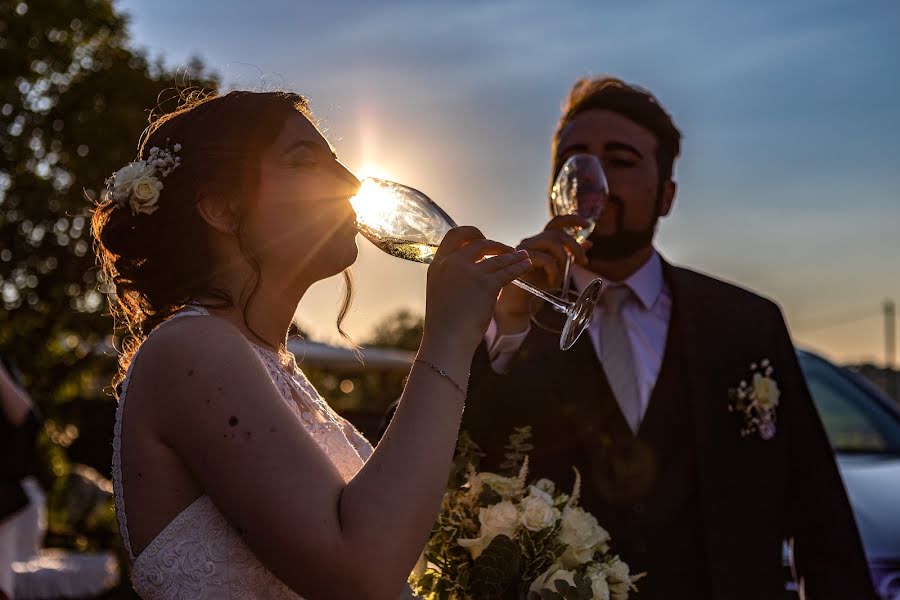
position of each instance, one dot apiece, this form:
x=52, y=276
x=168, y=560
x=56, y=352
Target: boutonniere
x=756, y=401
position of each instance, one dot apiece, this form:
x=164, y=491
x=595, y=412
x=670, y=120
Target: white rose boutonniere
x=757, y=401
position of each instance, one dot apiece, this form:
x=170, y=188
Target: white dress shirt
x=646, y=315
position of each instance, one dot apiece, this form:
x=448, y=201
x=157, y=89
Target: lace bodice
x=199, y=555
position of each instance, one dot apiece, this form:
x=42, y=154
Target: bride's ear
x=220, y=214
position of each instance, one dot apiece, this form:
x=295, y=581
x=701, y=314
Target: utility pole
x=890, y=348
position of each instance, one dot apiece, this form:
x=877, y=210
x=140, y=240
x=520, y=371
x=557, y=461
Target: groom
x=695, y=489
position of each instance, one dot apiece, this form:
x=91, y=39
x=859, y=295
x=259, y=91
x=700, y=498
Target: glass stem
x=557, y=303
x=567, y=284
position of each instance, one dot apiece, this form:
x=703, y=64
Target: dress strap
x=119, y=494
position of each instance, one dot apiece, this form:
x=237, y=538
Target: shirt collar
x=647, y=282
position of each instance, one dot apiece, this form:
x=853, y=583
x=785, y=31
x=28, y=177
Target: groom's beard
x=624, y=242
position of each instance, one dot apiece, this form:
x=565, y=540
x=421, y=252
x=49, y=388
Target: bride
x=233, y=478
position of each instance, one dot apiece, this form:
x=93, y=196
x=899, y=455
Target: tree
x=74, y=98
x=401, y=330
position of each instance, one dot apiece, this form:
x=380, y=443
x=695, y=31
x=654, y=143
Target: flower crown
x=138, y=184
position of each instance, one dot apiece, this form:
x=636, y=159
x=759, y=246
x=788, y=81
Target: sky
x=789, y=178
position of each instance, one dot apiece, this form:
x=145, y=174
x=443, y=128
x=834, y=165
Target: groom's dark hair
x=632, y=102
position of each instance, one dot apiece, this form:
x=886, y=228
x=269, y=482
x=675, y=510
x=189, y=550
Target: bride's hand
x=463, y=286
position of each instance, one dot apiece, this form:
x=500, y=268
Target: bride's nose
x=347, y=178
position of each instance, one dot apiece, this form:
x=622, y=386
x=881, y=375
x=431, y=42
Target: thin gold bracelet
x=442, y=373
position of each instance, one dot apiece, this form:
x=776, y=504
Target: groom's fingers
x=546, y=263
x=563, y=221
x=557, y=244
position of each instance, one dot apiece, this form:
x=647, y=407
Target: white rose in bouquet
x=538, y=514
x=546, y=486
x=599, y=585
x=500, y=519
x=536, y=492
x=582, y=534
x=619, y=579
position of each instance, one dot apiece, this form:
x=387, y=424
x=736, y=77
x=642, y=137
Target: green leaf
x=518, y=448
x=496, y=569
x=583, y=587
x=488, y=496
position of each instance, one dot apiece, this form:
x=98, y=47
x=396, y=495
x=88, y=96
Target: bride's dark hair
x=161, y=262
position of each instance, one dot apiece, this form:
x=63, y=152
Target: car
x=863, y=425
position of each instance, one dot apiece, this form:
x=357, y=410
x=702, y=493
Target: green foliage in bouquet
x=496, y=570
x=468, y=454
x=565, y=591
x=517, y=450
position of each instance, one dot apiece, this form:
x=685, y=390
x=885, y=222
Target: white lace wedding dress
x=199, y=555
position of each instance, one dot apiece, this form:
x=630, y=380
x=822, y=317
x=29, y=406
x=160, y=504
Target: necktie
x=618, y=359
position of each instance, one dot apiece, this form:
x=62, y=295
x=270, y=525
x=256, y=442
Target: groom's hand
x=549, y=251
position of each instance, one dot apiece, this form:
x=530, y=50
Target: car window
x=854, y=420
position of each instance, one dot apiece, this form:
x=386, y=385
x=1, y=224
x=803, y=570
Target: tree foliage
x=74, y=98
x=402, y=330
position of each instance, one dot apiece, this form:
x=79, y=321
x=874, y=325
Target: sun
x=374, y=205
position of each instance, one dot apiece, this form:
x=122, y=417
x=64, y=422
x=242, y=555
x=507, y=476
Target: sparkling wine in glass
x=406, y=223
x=580, y=189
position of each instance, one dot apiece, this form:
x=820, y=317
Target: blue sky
x=790, y=173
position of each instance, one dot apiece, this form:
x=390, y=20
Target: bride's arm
x=223, y=416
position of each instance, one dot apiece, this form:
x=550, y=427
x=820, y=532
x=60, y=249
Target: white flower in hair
x=138, y=183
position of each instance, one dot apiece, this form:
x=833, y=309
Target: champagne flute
x=406, y=223
x=580, y=189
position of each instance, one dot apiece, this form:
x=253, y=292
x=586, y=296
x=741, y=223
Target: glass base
x=571, y=322
x=579, y=315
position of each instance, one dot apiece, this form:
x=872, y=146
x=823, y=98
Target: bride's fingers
x=455, y=239
x=475, y=250
x=501, y=261
x=505, y=275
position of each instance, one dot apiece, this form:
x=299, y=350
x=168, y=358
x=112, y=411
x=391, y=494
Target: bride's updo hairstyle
x=159, y=259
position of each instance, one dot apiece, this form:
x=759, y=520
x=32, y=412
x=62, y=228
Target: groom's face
x=637, y=199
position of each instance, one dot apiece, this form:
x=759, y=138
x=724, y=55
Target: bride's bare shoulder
x=204, y=335
x=190, y=355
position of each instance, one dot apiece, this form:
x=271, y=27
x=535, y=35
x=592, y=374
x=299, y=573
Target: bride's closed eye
x=301, y=158
x=306, y=154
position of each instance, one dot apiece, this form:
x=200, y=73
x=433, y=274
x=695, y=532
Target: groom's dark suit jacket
x=690, y=501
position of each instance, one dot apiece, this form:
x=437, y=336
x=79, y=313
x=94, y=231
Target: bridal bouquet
x=505, y=537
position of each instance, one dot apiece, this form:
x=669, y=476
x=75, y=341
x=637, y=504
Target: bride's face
x=302, y=225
